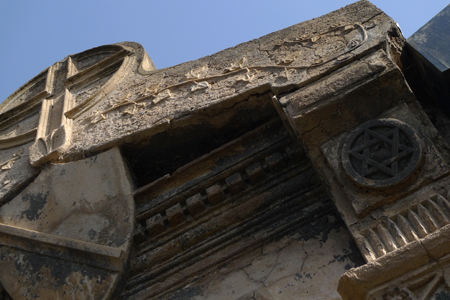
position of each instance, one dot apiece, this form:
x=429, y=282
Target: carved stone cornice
x=418, y=270
x=337, y=84
x=386, y=168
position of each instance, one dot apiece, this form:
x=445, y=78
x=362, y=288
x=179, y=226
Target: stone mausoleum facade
x=311, y=163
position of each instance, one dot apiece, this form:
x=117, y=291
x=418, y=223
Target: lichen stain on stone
x=37, y=203
x=351, y=255
x=37, y=268
x=320, y=227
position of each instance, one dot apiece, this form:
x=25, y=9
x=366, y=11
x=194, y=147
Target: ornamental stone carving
x=219, y=178
x=381, y=153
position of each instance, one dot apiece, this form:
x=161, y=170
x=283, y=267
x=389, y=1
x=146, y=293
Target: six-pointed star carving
x=373, y=142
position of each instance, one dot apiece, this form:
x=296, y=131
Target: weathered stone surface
x=290, y=268
x=67, y=235
x=434, y=163
x=228, y=206
x=147, y=102
x=216, y=244
x=17, y=132
x=424, y=276
x=381, y=153
x=65, y=90
x=16, y=171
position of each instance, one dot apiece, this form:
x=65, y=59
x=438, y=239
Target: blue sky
x=35, y=34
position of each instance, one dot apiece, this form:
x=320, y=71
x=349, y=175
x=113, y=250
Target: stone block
x=215, y=194
x=175, y=215
x=255, y=172
x=235, y=183
x=419, y=156
x=195, y=204
x=275, y=161
x=155, y=225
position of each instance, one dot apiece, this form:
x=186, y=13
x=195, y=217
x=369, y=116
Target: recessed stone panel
x=385, y=159
x=381, y=153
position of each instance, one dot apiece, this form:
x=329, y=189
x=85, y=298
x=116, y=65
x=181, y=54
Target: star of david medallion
x=381, y=153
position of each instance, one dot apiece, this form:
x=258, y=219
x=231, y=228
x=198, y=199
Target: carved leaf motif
x=130, y=110
x=237, y=65
x=248, y=77
x=162, y=96
x=200, y=86
x=150, y=90
x=286, y=60
x=197, y=73
x=7, y=165
x=97, y=117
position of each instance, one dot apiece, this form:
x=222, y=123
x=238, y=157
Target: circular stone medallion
x=381, y=153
